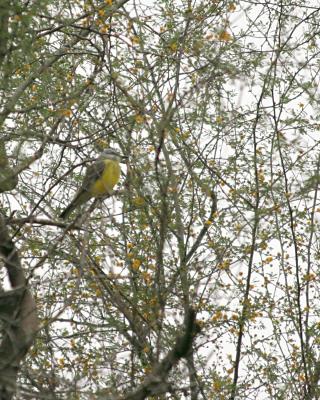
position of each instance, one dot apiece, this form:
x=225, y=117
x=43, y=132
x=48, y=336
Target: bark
x=17, y=314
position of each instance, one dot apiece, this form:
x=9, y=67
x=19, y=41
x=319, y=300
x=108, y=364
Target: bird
x=99, y=180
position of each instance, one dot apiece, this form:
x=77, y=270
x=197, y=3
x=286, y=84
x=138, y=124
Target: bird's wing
x=94, y=172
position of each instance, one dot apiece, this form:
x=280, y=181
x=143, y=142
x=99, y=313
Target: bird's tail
x=65, y=214
x=80, y=199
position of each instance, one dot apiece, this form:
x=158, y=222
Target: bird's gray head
x=111, y=154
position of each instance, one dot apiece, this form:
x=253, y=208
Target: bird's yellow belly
x=109, y=178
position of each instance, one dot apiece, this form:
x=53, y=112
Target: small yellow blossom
x=147, y=278
x=136, y=264
x=66, y=113
x=104, y=29
x=138, y=201
x=102, y=143
x=135, y=39
x=224, y=265
x=139, y=119
x=225, y=36
x=218, y=315
x=309, y=277
x=173, y=46
x=217, y=385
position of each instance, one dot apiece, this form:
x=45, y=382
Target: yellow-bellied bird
x=99, y=180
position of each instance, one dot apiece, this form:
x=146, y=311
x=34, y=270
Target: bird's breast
x=108, y=179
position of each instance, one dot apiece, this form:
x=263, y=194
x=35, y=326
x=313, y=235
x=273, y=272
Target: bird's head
x=112, y=154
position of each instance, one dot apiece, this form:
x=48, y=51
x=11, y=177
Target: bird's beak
x=124, y=159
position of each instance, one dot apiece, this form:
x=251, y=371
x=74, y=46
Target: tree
x=198, y=279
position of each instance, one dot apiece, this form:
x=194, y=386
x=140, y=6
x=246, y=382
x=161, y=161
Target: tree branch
x=156, y=382
x=18, y=315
